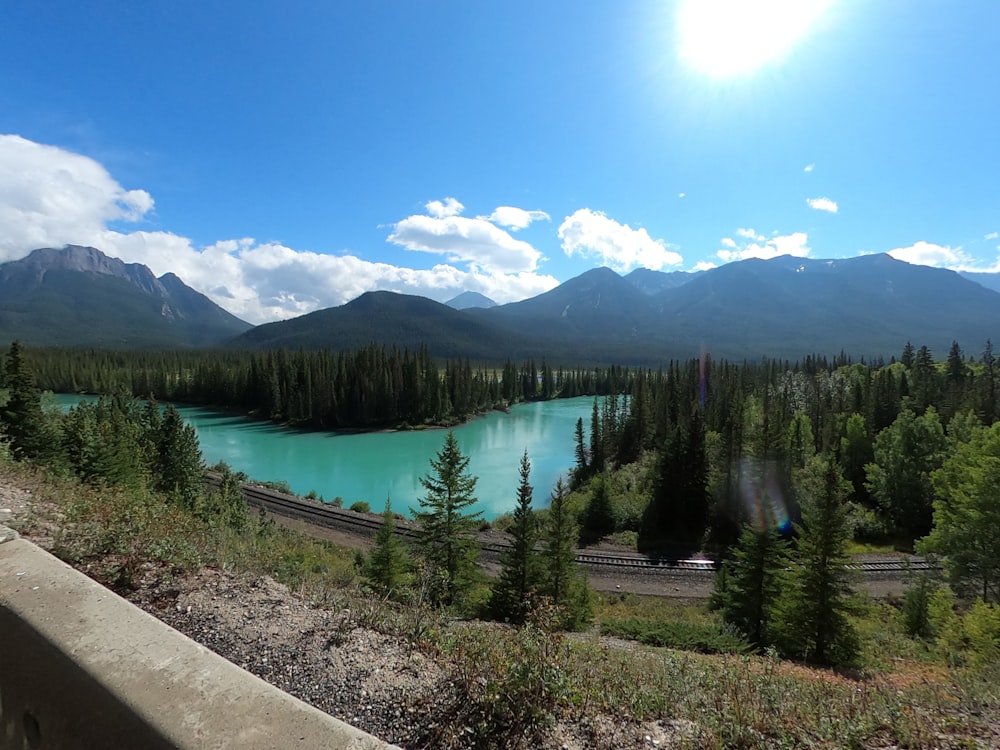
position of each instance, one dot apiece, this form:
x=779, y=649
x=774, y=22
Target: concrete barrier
x=80, y=667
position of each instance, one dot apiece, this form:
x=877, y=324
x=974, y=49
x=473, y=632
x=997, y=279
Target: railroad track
x=352, y=522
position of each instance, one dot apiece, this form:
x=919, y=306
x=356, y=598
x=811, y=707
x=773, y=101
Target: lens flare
x=763, y=500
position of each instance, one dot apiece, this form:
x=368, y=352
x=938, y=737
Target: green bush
x=684, y=636
x=360, y=507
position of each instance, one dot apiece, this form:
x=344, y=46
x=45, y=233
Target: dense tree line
x=370, y=388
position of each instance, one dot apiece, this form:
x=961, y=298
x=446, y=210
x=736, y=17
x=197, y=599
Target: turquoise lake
x=375, y=465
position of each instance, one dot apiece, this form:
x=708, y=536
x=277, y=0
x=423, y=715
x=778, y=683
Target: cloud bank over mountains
x=50, y=196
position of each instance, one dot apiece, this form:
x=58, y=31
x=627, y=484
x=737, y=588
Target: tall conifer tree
x=510, y=599
x=446, y=537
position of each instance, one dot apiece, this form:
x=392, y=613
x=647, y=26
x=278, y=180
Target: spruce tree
x=810, y=616
x=510, y=599
x=388, y=563
x=446, y=535
x=563, y=582
x=179, y=468
x=750, y=582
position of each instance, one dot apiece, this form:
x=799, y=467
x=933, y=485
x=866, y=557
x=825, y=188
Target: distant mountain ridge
x=78, y=296
x=782, y=308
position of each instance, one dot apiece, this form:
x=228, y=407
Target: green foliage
x=685, y=636
x=982, y=628
x=360, y=506
x=520, y=574
x=916, y=606
x=677, y=515
x=21, y=418
x=179, y=467
x=446, y=537
x=118, y=531
x=810, y=617
x=899, y=479
x=967, y=516
x=597, y=519
x=225, y=507
x=750, y=581
x=509, y=683
x=388, y=564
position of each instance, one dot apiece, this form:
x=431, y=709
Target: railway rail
x=362, y=524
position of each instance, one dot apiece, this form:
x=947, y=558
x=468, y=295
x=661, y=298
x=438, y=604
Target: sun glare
x=724, y=38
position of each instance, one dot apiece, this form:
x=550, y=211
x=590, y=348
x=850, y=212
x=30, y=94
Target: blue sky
x=284, y=157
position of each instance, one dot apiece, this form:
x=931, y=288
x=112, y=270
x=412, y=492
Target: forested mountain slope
x=78, y=296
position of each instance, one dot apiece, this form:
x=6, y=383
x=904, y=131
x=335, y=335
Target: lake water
x=375, y=465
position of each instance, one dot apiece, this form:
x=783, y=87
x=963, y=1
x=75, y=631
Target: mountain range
x=78, y=296
x=785, y=307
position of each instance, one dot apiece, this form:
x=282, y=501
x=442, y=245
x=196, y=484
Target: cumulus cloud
x=704, y=265
x=808, y=168
x=750, y=234
x=618, y=246
x=50, y=197
x=823, y=204
x=460, y=239
x=442, y=209
x=796, y=243
x=515, y=218
x=992, y=236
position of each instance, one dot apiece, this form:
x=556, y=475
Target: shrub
x=509, y=681
x=685, y=636
x=360, y=506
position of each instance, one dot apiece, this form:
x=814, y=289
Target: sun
x=727, y=38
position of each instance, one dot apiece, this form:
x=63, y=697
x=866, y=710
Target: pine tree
x=598, y=518
x=580, y=471
x=750, y=582
x=21, y=417
x=388, y=563
x=563, y=582
x=448, y=545
x=810, y=616
x=510, y=599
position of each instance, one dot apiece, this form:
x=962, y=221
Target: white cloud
x=704, y=265
x=992, y=236
x=795, y=244
x=823, y=204
x=463, y=240
x=515, y=218
x=808, y=168
x=929, y=254
x=442, y=209
x=618, y=246
x=50, y=197
x=680, y=195
x=750, y=234
x=728, y=242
